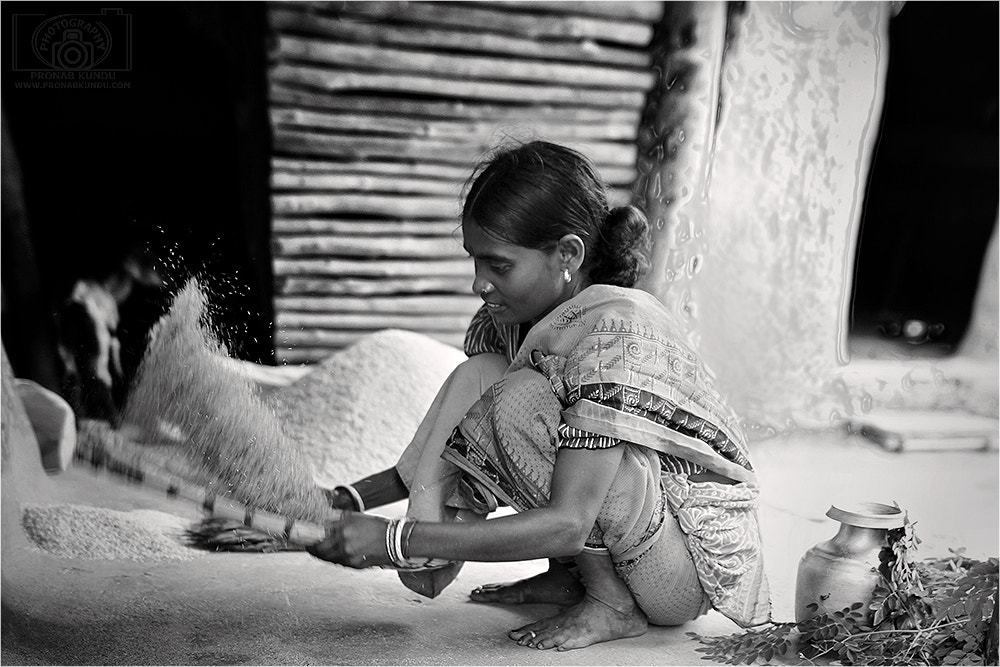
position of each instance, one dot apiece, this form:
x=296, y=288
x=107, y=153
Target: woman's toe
x=545, y=643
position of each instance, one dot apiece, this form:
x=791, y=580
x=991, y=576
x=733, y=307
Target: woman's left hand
x=356, y=540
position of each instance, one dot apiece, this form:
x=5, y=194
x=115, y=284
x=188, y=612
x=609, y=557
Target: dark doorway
x=174, y=157
x=931, y=201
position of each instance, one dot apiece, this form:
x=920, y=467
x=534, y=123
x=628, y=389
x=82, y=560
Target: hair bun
x=623, y=252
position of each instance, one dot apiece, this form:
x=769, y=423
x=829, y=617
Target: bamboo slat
x=365, y=183
x=377, y=123
x=300, y=355
x=284, y=183
x=409, y=169
x=495, y=19
x=370, y=204
x=459, y=66
x=611, y=173
x=484, y=130
x=289, y=18
x=646, y=11
x=344, y=285
x=355, y=246
x=357, y=148
x=329, y=79
x=451, y=109
x=450, y=304
x=327, y=337
x=295, y=322
x=389, y=268
x=368, y=228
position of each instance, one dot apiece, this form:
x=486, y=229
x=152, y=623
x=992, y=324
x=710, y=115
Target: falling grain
x=186, y=399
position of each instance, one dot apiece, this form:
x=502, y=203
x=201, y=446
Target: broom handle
x=295, y=531
x=214, y=504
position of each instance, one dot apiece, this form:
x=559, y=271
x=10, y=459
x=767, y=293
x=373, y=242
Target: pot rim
x=868, y=515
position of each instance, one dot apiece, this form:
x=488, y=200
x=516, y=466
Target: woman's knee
x=665, y=581
x=489, y=366
x=526, y=396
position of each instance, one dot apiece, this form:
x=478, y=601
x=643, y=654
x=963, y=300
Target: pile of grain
x=356, y=411
x=78, y=531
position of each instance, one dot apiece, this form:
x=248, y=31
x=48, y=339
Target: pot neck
x=849, y=533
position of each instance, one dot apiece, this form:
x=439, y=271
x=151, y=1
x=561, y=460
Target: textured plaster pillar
x=675, y=147
x=771, y=205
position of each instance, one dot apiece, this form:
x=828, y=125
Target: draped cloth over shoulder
x=621, y=368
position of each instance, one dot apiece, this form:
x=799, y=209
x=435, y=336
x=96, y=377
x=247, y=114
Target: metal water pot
x=843, y=570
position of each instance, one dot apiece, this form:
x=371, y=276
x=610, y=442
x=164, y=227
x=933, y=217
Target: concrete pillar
x=768, y=262
x=675, y=147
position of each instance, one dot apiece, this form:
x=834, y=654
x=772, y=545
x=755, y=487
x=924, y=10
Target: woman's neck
x=576, y=288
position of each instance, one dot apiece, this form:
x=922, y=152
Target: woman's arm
x=580, y=483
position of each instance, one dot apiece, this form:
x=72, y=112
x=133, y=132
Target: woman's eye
x=500, y=268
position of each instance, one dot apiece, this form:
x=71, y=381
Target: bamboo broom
x=229, y=525
x=196, y=428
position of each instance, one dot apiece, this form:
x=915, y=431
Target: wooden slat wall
x=380, y=110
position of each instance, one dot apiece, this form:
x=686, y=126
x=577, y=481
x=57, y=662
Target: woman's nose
x=479, y=285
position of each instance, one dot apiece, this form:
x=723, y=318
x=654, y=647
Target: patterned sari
x=622, y=373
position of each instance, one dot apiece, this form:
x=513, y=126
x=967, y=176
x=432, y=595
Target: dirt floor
x=292, y=609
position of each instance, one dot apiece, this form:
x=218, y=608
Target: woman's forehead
x=479, y=243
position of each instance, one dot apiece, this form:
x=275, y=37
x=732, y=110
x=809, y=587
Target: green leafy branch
x=936, y=612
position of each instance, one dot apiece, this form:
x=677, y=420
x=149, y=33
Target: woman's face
x=522, y=284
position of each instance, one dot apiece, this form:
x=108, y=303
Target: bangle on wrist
x=397, y=533
x=390, y=540
x=398, y=542
x=405, y=531
x=391, y=550
x=359, y=503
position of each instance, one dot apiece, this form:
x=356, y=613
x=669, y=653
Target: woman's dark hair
x=533, y=194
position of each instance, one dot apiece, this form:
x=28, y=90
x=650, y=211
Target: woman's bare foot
x=557, y=585
x=589, y=622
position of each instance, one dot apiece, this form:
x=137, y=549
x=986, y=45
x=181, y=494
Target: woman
x=583, y=409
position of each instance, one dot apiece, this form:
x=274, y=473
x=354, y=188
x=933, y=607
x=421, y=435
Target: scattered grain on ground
x=95, y=533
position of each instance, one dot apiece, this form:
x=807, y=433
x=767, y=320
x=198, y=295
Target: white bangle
x=394, y=544
x=398, y=539
x=355, y=496
x=389, y=541
x=405, y=547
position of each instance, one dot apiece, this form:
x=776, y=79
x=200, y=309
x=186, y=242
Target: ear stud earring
x=566, y=276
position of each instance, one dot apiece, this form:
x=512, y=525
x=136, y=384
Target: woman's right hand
x=339, y=499
x=356, y=540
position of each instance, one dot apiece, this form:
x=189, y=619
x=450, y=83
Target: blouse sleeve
x=574, y=438
x=482, y=336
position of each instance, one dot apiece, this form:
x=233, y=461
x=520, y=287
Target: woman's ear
x=571, y=251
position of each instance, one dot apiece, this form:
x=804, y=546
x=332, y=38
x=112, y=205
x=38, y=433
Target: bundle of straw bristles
x=196, y=428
